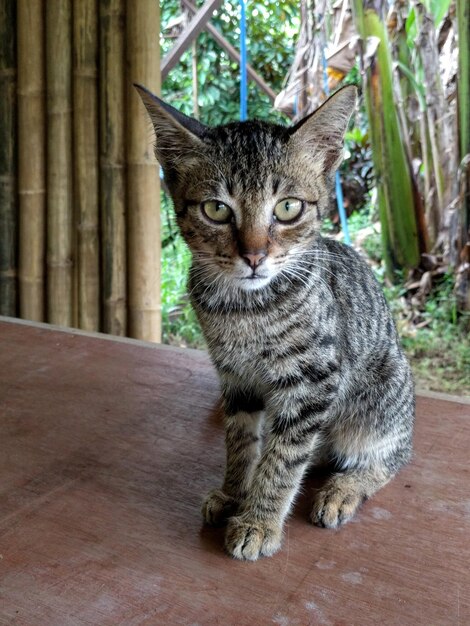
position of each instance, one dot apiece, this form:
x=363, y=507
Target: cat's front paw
x=335, y=505
x=247, y=540
x=218, y=507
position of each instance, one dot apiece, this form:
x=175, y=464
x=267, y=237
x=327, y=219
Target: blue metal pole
x=243, y=62
x=341, y=210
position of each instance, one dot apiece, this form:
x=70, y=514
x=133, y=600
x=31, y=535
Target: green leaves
x=438, y=9
x=410, y=28
x=271, y=31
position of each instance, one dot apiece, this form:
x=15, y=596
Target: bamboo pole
x=143, y=26
x=112, y=161
x=59, y=162
x=85, y=127
x=31, y=171
x=8, y=174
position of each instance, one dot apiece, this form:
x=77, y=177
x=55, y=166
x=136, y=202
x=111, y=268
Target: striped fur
x=308, y=357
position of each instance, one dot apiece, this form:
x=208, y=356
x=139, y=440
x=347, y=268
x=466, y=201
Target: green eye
x=217, y=211
x=288, y=209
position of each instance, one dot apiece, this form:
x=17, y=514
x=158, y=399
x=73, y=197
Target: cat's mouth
x=254, y=281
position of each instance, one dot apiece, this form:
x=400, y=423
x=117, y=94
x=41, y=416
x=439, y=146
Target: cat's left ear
x=322, y=132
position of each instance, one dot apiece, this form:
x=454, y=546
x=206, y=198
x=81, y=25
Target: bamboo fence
x=8, y=161
x=79, y=186
x=85, y=145
x=60, y=249
x=143, y=222
x=31, y=172
x=112, y=166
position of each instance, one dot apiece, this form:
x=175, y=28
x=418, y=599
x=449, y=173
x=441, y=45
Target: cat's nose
x=253, y=259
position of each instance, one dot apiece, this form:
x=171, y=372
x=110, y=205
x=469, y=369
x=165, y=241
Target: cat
x=296, y=325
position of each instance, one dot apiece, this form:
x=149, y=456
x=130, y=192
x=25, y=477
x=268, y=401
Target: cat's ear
x=178, y=135
x=322, y=132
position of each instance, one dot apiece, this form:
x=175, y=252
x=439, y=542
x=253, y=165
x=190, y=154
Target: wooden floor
x=106, y=449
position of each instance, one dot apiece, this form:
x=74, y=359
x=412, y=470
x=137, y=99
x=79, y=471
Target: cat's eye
x=216, y=211
x=288, y=210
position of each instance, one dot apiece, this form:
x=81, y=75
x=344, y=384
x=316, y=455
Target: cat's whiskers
x=309, y=267
x=310, y=264
x=322, y=255
x=200, y=274
x=309, y=272
x=309, y=257
x=324, y=259
x=297, y=275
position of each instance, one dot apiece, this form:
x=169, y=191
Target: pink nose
x=253, y=259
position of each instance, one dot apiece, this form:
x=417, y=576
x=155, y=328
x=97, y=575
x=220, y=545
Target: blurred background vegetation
x=404, y=176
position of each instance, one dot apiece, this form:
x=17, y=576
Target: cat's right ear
x=177, y=134
x=322, y=131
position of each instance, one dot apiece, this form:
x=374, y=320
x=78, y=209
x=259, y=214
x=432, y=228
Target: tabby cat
x=307, y=354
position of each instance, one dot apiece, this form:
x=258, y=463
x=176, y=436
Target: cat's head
x=249, y=195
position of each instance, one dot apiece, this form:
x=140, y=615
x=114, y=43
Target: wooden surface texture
x=106, y=450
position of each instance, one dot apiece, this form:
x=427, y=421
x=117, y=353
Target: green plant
x=436, y=340
x=271, y=30
x=179, y=322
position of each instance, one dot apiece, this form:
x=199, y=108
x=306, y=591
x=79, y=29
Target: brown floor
x=106, y=449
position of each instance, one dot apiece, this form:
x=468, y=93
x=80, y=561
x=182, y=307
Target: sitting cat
x=307, y=354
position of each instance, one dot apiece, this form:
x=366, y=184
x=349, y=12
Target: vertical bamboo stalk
x=8, y=173
x=143, y=26
x=85, y=151
x=31, y=171
x=112, y=161
x=59, y=162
